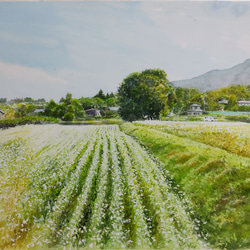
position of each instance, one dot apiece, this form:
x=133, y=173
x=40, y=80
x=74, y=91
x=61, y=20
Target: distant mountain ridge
x=214, y=79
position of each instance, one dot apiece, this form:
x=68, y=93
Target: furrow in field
x=94, y=236
x=39, y=198
x=54, y=175
x=116, y=236
x=170, y=223
x=137, y=227
x=76, y=226
x=66, y=200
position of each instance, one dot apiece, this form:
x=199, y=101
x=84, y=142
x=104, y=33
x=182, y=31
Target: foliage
x=97, y=102
x=3, y=100
x=68, y=108
x=7, y=123
x=232, y=93
x=185, y=97
x=23, y=110
x=238, y=118
x=27, y=100
x=100, y=95
x=111, y=114
x=215, y=182
x=87, y=187
x=145, y=95
x=68, y=116
x=89, y=103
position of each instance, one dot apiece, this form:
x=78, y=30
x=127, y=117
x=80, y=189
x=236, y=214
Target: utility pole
x=204, y=102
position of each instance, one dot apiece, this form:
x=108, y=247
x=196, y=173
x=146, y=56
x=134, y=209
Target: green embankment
x=217, y=183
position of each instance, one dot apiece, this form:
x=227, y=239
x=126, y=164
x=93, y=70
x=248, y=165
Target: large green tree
x=145, y=95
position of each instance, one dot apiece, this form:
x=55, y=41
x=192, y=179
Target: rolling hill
x=239, y=74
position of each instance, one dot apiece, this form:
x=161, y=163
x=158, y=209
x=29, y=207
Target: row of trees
x=23, y=100
x=70, y=108
x=148, y=95
x=141, y=95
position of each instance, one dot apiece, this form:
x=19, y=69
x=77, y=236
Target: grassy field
x=210, y=163
x=89, y=187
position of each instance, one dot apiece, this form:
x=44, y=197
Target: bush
x=111, y=114
x=238, y=118
x=68, y=116
x=8, y=123
x=194, y=119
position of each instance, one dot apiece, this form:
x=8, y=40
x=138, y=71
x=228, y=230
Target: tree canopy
x=145, y=95
x=67, y=109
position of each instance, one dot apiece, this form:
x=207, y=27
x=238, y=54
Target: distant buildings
x=244, y=103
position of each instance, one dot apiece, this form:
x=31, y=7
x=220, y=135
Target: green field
x=89, y=187
x=211, y=164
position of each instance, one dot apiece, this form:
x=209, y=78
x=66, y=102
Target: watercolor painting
x=124, y=124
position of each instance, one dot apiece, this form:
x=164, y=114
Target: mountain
x=214, y=79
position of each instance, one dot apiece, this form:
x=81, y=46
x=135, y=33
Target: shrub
x=238, y=118
x=8, y=123
x=68, y=116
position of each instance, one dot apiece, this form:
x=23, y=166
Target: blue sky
x=50, y=48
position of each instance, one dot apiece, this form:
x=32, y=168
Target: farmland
x=210, y=163
x=89, y=187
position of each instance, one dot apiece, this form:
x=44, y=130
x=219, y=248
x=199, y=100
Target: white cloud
x=21, y=81
x=199, y=31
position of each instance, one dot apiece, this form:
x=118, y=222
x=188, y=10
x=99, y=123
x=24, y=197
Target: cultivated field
x=211, y=164
x=88, y=187
x=234, y=137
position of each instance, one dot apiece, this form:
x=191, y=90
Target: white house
x=195, y=109
x=244, y=103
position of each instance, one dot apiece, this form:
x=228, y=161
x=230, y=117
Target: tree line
x=141, y=95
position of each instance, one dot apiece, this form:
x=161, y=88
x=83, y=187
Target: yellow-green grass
x=216, y=182
x=233, y=137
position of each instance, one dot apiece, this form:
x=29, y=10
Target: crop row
x=88, y=187
x=232, y=137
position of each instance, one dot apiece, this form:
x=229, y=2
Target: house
x=222, y=101
x=195, y=109
x=93, y=112
x=244, y=103
x=2, y=114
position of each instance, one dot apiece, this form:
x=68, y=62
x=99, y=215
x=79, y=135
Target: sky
x=49, y=49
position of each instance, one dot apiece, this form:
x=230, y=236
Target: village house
x=2, y=114
x=93, y=112
x=244, y=103
x=195, y=109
